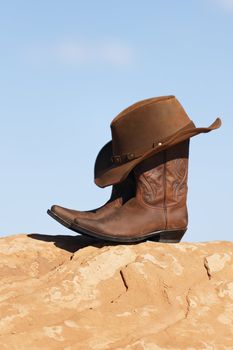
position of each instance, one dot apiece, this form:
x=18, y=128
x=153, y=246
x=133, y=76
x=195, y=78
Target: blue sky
x=67, y=68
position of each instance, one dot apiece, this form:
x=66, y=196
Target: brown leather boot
x=121, y=193
x=159, y=208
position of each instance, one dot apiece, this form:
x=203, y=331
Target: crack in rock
x=124, y=280
x=206, y=265
x=125, y=285
x=166, y=295
x=188, y=304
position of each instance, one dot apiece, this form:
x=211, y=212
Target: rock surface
x=74, y=293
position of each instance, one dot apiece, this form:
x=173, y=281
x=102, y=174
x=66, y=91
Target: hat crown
x=147, y=123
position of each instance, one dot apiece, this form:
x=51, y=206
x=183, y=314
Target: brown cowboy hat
x=141, y=130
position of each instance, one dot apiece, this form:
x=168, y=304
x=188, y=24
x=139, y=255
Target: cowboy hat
x=141, y=130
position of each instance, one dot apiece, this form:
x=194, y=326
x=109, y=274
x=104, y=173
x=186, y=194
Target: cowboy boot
x=121, y=193
x=159, y=208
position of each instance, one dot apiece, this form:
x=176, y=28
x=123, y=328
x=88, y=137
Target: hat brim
x=108, y=173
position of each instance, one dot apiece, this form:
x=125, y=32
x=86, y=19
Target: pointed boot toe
x=56, y=209
x=63, y=215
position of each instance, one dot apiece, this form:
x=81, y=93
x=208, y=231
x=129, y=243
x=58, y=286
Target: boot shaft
x=176, y=173
x=162, y=184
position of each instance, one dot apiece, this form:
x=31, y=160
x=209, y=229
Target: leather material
x=140, y=131
x=121, y=193
x=160, y=201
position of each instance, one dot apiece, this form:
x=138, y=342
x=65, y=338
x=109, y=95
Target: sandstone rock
x=73, y=293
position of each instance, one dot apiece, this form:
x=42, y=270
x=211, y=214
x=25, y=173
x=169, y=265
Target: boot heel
x=171, y=236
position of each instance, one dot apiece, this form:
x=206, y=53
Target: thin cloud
x=226, y=4
x=70, y=52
